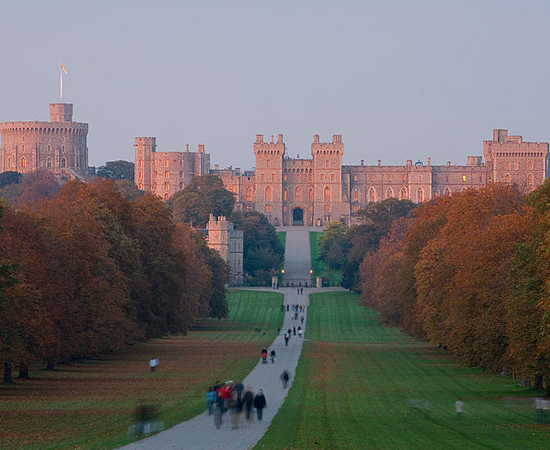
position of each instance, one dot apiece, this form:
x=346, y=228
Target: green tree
x=205, y=195
x=376, y=220
x=263, y=252
x=117, y=170
x=10, y=177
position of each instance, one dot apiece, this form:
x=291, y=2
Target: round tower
x=58, y=146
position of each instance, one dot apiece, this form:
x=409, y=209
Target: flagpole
x=61, y=83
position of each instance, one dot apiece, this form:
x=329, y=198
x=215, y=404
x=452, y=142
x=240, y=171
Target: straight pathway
x=200, y=432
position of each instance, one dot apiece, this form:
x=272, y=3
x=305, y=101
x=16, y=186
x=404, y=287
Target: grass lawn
x=320, y=269
x=90, y=405
x=363, y=386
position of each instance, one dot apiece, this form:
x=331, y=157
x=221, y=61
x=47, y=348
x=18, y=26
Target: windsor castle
x=289, y=191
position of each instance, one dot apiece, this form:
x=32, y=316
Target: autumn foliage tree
x=470, y=273
x=98, y=271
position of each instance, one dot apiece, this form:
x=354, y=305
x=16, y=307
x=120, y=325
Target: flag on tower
x=64, y=70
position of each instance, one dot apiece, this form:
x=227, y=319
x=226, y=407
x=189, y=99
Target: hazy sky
x=397, y=79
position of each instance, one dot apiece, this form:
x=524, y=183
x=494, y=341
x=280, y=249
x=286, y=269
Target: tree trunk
x=548, y=389
x=50, y=364
x=24, y=371
x=7, y=373
x=538, y=383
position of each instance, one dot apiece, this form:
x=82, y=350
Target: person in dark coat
x=260, y=403
x=248, y=402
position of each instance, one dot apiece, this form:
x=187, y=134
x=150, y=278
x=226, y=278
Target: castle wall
x=165, y=173
x=316, y=191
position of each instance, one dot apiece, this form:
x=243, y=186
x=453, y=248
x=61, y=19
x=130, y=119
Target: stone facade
x=228, y=242
x=165, y=173
x=58, y=146
x=316, y=191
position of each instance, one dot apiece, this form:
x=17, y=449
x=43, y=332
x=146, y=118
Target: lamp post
x=311, y=276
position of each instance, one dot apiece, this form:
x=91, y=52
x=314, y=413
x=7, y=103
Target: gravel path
x=200, y=432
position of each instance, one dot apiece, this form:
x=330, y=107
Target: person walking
x=273, y=355
x=260, y=404
x=153, y=363
x=264, y=356
x=285, y=378
x=248, y=402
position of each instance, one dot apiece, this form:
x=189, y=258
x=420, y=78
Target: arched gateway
x=298, y=216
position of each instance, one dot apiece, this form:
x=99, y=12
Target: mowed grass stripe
x=90, y=404
x=360, y=385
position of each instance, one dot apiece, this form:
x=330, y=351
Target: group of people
x=292, y=332
x=232, y=398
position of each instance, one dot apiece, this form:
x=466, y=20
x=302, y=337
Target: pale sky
x=397, y=79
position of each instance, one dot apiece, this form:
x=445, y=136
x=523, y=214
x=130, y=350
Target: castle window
x=248, y=207
x=327, y=163
x=49, y=148
x=372, y=194
x=284, y=177
x=268, y=194
x=332, y=177
x=403, y=194
x=49, y=162
x=447, y=191
x=516, y=166
x=166, y=197
x=481, y=178
x=322, y=177
x=9, y=162
x=447, y=178
x=310, y=194
x=355, y=208
x=232, y=188
x=297, y=177
x=389, y=193
x=372, y=177
x=273, y=177
x=166, y=186
x=268, y=163
x=327, y=194
x=310, y=176
x=181, y=174
x=508, y=165
x=355, y=178
x=530, y=165
x=419, y=177
x=327, y=208
x=141, y=186
x=419, y=195
x=404, y=177
x=166, y=174
x=181, y=185
x=263, y=176
x=141, y=175
x=389, y=176
x=63, y=162
x=298, y=194
x=464, y=178
x=23, y=162
x=435, y=193
x=267, y=208
x=530, y=179
x=140, y=163
x=355, y=194
x=285, y=195
x=249, y=194
x=435, y=176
